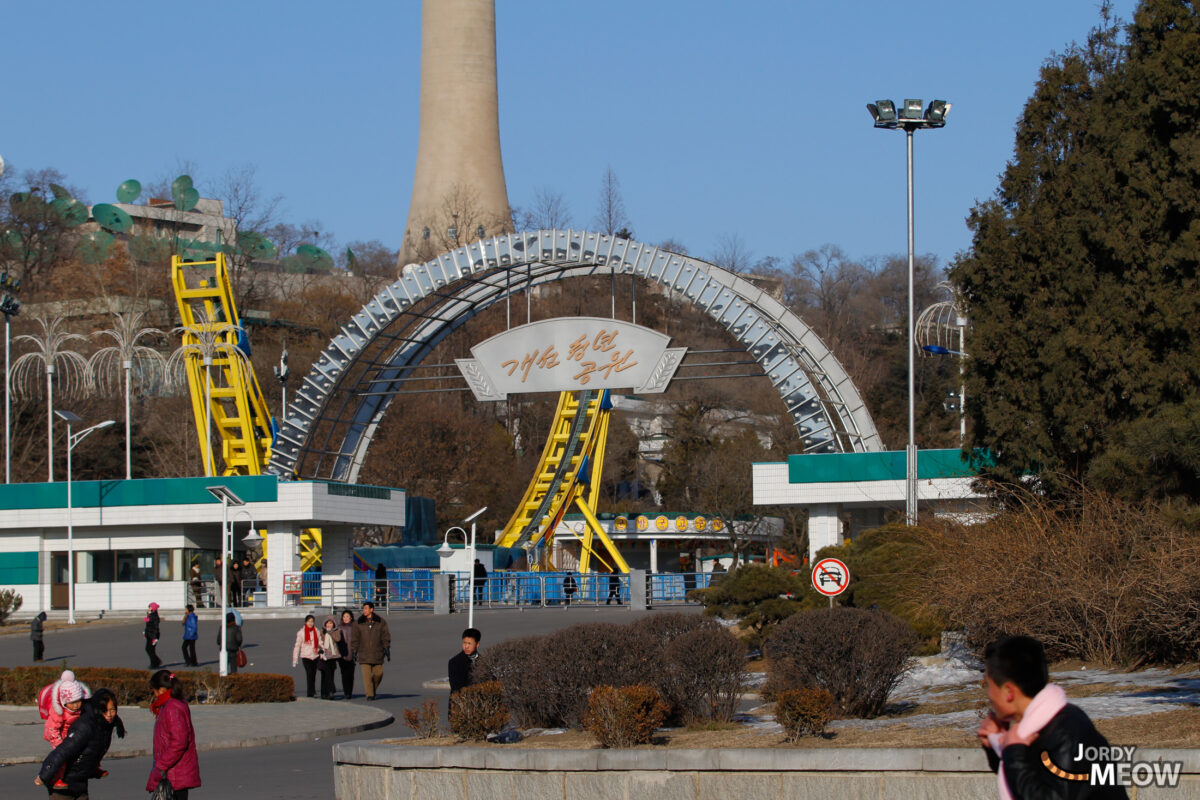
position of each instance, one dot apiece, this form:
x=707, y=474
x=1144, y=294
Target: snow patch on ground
x=950, y=674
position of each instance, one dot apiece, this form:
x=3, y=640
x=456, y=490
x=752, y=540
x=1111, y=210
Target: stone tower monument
x=458, y=189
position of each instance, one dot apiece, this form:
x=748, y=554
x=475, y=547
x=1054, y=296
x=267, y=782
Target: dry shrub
x=578, y=658
x=624, y=717
x=10, y=603
x=856, y=655
x=1095, y=578
x=425, y=721
x=803, y=712
x=706, y=668
x=478, y=710
x=520, y=668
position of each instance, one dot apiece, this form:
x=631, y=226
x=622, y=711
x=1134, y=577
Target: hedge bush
x=803, y=712
x=695, y=665
x=518, y=665
x=624, y=717
x=858, y=656
x=20, y=685
x=706, y=668
x=477, y=711
x=547, y=679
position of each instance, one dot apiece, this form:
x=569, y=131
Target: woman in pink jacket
x=174, y=738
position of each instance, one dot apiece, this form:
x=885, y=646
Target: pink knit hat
x=154, y=606
x=69, y=692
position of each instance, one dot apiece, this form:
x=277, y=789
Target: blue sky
x=719, y=118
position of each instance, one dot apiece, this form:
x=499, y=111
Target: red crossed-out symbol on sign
x=830, y=577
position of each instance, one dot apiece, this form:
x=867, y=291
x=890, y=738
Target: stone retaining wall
x=372, y=771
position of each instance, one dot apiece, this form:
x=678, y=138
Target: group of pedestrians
x=79, y=727
x=337, y=646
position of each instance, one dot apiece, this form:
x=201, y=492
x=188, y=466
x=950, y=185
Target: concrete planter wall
x=372, y=771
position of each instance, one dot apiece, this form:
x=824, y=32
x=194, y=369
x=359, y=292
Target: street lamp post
x=911, y=117
x=72, y=440
x=9, y=307
x=227, y=498
x=444, y=551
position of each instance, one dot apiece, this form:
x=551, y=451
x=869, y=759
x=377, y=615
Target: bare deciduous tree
x=610, y=215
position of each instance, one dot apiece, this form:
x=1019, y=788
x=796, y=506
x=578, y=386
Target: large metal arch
x=333, y=417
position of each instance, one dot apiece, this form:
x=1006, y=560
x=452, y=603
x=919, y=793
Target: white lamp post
x=227, y=498
x=72, y=440
x=444, y=552
x=911, y=118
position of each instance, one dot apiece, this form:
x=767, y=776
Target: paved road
x=421, y=645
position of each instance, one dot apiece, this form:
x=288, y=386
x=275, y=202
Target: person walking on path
x=371, y=643
x=76, y=760
x=1033, y=738
x=481, y=575
x=346, y=662
x=37, y=633
x=381, y=587
x=175, y=755
x=462, y=665
x=151, y=634
x=191, y=631
x=307, y=649
x=331, y=655
x=569, y=587
x=614, y=588
x=233, y=641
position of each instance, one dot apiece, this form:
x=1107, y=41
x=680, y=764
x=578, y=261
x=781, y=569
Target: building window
x=134, y=566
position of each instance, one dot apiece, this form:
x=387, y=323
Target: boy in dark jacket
x=461, y=666
x=1035, y=741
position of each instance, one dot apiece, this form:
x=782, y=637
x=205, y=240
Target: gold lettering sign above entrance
x=571, y=353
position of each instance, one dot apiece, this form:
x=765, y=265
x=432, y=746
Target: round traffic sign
x=830, y=577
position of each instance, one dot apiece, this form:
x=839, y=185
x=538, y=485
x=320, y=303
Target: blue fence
x=413, y=589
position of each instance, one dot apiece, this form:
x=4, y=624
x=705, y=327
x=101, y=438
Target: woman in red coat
x=174, y=738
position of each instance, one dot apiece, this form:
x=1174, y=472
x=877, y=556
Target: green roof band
x=885, y=466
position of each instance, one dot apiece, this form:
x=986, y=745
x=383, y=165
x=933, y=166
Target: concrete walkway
x=218, y=727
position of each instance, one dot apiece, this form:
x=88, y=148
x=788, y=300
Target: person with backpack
x=151, y=634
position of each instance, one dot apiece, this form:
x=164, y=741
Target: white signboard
x=570, y=354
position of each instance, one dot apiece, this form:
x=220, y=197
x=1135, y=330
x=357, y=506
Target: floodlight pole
x=884, y=114
x=910, y=469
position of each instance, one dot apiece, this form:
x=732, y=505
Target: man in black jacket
x=463, y=664
x=1039, y=744
x=83, y=748
x=37, y=632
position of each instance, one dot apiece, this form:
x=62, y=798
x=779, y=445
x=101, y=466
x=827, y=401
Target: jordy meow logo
x=1115, y=766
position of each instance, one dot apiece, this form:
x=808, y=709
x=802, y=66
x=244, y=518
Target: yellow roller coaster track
x=227, y=393
x=568, y=475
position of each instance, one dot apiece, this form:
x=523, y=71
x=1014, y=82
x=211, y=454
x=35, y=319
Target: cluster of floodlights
x=910, y=116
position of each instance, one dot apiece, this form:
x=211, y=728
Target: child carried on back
x=60, y=704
